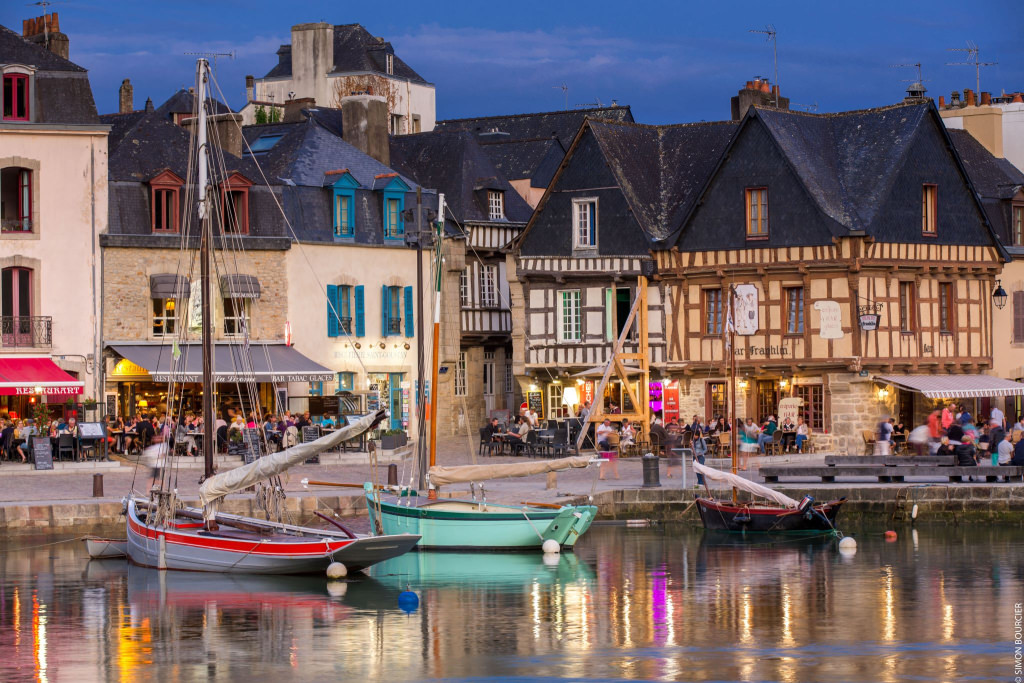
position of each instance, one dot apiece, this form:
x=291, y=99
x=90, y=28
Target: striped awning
x=955, y=386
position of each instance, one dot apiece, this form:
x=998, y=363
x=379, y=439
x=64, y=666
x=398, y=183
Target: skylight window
x=264, y=143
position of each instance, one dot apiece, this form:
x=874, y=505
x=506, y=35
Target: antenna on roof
x=44, y=4
x=973, y=53
x=565, y=91
x=214, y=55
x=769, y=30
x=916, y=88
x=590, y=105
x=804, y=107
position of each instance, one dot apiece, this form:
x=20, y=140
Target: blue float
x=408, y=601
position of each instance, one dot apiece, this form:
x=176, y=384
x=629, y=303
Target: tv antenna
x=804, y=107
x=769, y=30
x=565, y=91
x=973, y=57
x=44, y=4
x=214, y=55
x=915, y=84
x=590, y=105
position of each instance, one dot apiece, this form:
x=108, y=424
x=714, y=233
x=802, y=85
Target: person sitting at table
x=802, y=433
x=71, y=427
x=327, y=422
x=7, y=438
x=270, y=429
x=604, y=430
x=626, y=433
x=27, y=433
x=493, y=430
x=659, y=437
x=145, y=433
x=788, y=430
x=518, y=433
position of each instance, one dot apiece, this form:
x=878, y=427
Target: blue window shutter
x=333, y=326
x=593, y=223
x=360, y=324
x=385, y=308
x=410, y=330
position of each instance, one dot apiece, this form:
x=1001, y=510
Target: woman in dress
x=748, y=442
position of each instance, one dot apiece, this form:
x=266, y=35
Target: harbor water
x=663, y=603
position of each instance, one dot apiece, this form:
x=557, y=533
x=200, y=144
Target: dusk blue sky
x=672, y=62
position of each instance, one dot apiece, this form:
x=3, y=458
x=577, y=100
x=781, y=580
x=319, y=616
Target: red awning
x=24, y=376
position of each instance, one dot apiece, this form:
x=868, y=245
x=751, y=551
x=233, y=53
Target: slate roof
x=561, y=125
x=661, y=170
x=183, y=102
x=536, y=159
x=17, y=50
x=355, y=49
x=455, y=164
x=993, y=178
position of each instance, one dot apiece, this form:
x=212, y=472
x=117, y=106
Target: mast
x=206, y=236
x=437, y=328
x=730, y=392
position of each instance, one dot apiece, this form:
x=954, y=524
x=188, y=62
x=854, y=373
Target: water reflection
x=659, y=604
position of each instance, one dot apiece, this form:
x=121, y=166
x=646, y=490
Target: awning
x=598, y=371
x=237, y=286
x=955, y=386
x=231, y=363
x=21, y=376
x=168, y=286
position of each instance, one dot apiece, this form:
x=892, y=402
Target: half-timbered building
x=618, y=188
x=861, y=258
x=483, y=215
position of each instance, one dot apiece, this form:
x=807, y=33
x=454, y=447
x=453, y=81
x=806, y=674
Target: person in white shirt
x=1004, y=451
x=603, y=431
x=996, y=415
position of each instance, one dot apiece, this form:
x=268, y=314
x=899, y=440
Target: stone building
x=53, y=207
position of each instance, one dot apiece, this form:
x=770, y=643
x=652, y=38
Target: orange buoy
x=890, y=535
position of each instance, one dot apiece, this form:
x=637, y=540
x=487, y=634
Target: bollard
x=392, y=474
x=652, y=473
x=97, y=485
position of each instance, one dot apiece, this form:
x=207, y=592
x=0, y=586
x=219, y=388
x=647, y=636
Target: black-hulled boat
x=719, y=515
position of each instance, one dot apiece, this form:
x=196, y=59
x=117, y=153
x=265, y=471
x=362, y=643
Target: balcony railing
x=346, y=325
x=16, y=225
x=22, y=331
x=394, y=326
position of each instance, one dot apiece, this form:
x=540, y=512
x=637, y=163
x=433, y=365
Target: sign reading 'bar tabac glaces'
x=228, y=377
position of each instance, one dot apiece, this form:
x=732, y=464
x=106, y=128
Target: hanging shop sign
x=869, y=322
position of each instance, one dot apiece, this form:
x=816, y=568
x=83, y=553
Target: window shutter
x=609, y=315
x=593, y=224
x=360, y=322
x=333, y=325
x=385, y=308
x=410, y=330
x=1018, y=317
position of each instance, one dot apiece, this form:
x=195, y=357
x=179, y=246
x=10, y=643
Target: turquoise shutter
x=333, y=325
x=385, y=310
x=410, y=330
x=360, y=323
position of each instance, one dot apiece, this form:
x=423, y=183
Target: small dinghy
x=105, y=548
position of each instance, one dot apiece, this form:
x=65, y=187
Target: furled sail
x=469, y=473
x=220, y=485
x=730, y=479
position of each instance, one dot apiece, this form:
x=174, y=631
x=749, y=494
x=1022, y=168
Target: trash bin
x=652, y=473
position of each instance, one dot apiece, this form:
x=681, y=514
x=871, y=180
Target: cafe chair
x=486, y=444
x=87, y=449
x=559, y=446
x=774, y=447
x=65, y=444
x=724, y=445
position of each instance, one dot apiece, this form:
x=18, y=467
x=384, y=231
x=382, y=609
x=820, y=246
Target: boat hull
x=460, y=524
x=188, y=547
x=104, y=548
x=721, y=516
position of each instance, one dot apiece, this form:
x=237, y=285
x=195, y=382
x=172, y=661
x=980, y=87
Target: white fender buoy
x=551, y=559
x=337, y=589
x=551, y=546
x=913, y=512
x=848, y=545
x=336, y=570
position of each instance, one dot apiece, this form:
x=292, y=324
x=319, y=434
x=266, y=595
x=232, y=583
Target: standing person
x=996, y=415
x=919, y=438
x=1004, y=453
x=883, y=437
x=948, y=416
x=750, y=437
x=965, y=416
x=700, y=450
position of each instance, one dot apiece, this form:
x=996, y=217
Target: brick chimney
x=364, y=125
x=986, y=98
x=229, y=131
x=125, y=96
x=758, y=92
x=293, y=109
x=969, y=98
x=942, y=101
x=45, y=31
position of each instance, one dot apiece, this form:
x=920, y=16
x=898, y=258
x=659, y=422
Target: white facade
x=1000, y=127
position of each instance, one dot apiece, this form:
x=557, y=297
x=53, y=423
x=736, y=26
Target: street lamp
x=999, y=296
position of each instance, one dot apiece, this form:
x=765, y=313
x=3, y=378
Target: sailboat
x=164, y=534
x=774, y=512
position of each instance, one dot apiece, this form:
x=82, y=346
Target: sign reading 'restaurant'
x=50, y=391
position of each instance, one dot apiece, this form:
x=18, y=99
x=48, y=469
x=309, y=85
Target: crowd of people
x=16, y=435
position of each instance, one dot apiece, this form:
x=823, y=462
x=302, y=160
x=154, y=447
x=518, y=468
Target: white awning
x=598, y=371
x=955, y=386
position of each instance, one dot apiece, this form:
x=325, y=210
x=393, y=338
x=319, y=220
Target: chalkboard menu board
x=535, y=400
x=42, y=452
x=111, y=404
x=92, y=430
x=251, y=441
x=311, y=434
x=330, y=405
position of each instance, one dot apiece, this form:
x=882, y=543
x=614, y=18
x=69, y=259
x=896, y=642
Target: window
x=393, y=228
x=556, y=410
x=569, y=316
x=813, y=406
x=346, y=381
x=236, y=316
x=489, y=286
x=929, y=205
x=715, y=403
x=508, y=377
x=389, y=63
x=488, y=374
x=617, y=304
x=391, y=311
x=495, y=205
x=460, y=375
x=396, y=124
x=907, y=307
x=712, y=312
x=165, y=317
x=16, y=97
x=264, y=143
x=16, y=295
x=417, y=123
x=794, y=310
x=757, y=212
x=584, y=220
x=767, y=399
x=946, y=307
x=1018, y=317
x=16, y=199
x=339, y=310
x=344, y=220
x=1017, y=222
x=163, y=211
x=464, y=293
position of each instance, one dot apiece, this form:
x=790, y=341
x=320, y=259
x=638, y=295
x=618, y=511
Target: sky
x=672, y=62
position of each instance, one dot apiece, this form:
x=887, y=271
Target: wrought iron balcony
x=346, y=325
x=394, y=326
x=29, y=332
x=16, y=225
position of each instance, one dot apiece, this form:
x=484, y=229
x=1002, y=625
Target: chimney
x=986, y=98
x=149, y=105
x=250, y=82
x=969, y=98
x=126, y=97
x=942, y=101
x=1017, y=99
x=312, y=57
x=765, y=88
x=293, y=109
x=364, y=125
x=229, y=130
x=45, y=31
x=954, y=99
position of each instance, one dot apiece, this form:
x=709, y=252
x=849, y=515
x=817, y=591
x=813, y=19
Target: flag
x=729, y=327
x=175, y=350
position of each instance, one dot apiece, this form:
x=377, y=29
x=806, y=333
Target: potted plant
x=390, y=439
x=90, y=409
x=235, y=444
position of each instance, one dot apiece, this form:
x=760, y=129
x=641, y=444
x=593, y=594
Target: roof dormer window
x=16, y=100
x=165, y=198
x=234, y=195
x=496, y=205
x=389, y=64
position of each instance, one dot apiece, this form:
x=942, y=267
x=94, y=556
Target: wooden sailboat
x=476, y=524
x=162, y=533
x=782, y=513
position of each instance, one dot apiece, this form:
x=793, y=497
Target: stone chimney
x=45, y=31
x=228, y=130
x=293, y=109
x=758, y=92
x=126, y=97
x=364, y=125
x=250, y=82
x=149, y=105
x=312, y=57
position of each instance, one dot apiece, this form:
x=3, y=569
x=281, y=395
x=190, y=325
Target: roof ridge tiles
x=840, y=114
x=535, y=113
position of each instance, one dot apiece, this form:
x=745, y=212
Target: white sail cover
x=730, y=479
x=470, y=473
x=220, y=485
